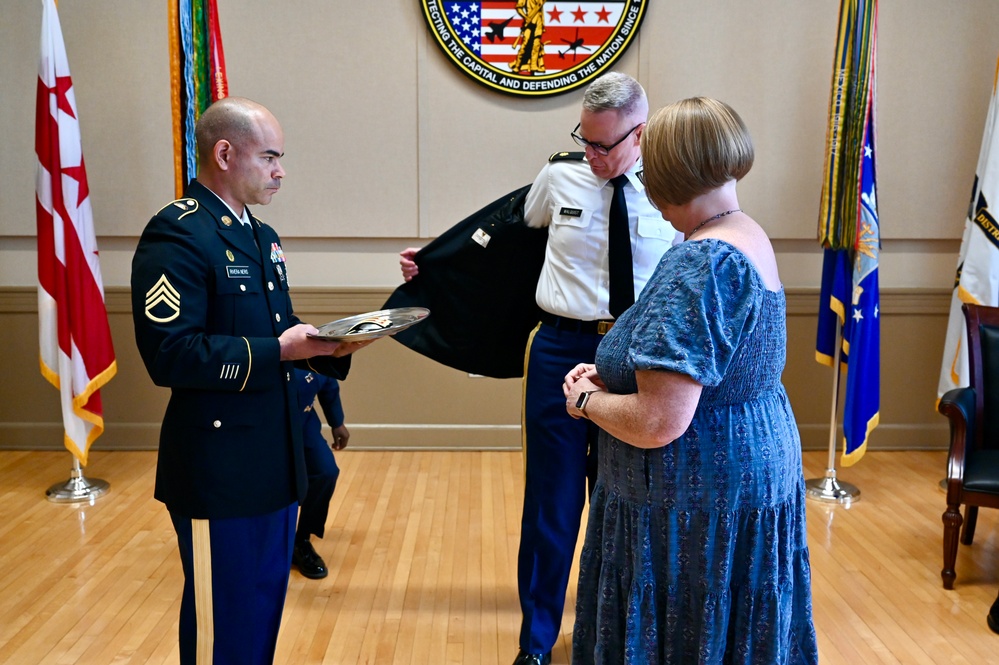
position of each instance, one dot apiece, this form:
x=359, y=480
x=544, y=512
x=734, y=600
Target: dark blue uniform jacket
x=208, y=306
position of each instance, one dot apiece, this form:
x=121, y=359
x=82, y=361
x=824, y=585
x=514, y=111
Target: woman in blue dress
x=695, y=550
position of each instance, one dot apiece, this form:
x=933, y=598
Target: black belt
x=575, y=325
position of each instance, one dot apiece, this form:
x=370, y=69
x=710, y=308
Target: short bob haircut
x=692, y=147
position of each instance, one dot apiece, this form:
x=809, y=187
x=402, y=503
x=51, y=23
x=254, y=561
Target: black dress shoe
x=524, y=658
x=993, y=616
x=309, y=563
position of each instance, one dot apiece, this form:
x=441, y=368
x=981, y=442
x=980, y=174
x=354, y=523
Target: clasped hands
x=582, y=378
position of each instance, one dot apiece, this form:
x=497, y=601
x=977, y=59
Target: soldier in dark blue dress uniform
x=214, y=323
x=320, y=465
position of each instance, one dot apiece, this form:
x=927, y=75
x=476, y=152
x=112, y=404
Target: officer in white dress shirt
x=572, y=196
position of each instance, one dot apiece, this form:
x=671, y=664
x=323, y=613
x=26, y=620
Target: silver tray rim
x=402, y=318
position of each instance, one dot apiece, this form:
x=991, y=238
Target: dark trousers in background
x=323, y=473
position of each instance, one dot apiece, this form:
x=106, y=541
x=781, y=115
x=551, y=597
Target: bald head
x=240, y=144
x=233, y=119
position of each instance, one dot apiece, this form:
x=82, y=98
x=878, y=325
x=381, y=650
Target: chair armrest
x=959, y=407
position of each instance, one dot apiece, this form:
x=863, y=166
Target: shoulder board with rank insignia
x=186, y=206
x=567, y=156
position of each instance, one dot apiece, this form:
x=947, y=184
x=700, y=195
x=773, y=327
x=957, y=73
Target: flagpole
x=77, y=488
x=828, y=489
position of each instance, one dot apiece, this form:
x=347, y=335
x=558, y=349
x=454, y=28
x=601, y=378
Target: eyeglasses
x=597, y=147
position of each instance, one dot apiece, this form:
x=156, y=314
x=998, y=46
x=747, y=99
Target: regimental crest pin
x=533, y=48
x=187, y=205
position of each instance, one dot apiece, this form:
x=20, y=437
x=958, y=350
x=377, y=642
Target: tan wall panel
x=118, y=60
x=772, y=61
x=913, y=325
x=388, y=144
x=341, y=78
x=386, y=139
x=395, y=398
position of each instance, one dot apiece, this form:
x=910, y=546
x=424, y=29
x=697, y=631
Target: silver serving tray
x=371, y=325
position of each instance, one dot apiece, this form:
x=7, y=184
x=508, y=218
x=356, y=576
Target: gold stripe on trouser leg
x=201, y=546
x=523, y=400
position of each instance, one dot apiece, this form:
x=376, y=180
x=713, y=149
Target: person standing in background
x=320, y=465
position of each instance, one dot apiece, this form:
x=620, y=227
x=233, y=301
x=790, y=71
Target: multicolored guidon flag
x=977, y=279
x=533, y=47
x=849, y=228
x=74, y=336
x=197, y=77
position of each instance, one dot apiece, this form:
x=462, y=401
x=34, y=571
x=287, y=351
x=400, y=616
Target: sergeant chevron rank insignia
x=162, y=301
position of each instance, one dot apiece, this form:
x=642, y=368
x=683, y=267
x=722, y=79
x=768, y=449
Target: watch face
x=581, y=400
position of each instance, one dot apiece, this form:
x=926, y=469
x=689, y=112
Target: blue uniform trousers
x=323, y=473
x=560, y=456
x=235, y=580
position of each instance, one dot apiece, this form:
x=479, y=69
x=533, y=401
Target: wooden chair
x=973, y=412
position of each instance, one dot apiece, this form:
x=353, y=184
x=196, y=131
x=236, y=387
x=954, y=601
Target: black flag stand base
x=828, y=489
x=77, y=488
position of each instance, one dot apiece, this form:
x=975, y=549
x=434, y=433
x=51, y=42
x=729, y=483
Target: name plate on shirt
x=571, y=212
x=481, y=237
x=238, y=272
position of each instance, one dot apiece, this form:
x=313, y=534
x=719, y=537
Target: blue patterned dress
x=695, y=552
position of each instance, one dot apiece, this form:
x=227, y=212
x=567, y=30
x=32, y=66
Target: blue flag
x=849, y=299
x=849, y=228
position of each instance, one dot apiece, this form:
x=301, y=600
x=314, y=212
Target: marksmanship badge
x=533, y=47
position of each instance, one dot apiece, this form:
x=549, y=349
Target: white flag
x=977, y=279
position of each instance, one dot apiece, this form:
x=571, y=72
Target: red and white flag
x=74, y=337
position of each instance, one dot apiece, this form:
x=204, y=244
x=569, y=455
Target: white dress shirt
x=574, y=204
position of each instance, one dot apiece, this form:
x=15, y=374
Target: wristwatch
x=581, y=401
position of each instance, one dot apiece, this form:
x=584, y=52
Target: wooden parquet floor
x=422, y=553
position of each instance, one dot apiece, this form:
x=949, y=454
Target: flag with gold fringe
x=977, y=279
x=849, y=229
x=76, y=354
x=197, y=77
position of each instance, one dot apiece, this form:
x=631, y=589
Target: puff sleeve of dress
x=692, y=317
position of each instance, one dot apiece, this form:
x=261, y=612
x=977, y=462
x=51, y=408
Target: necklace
x=711, y=219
